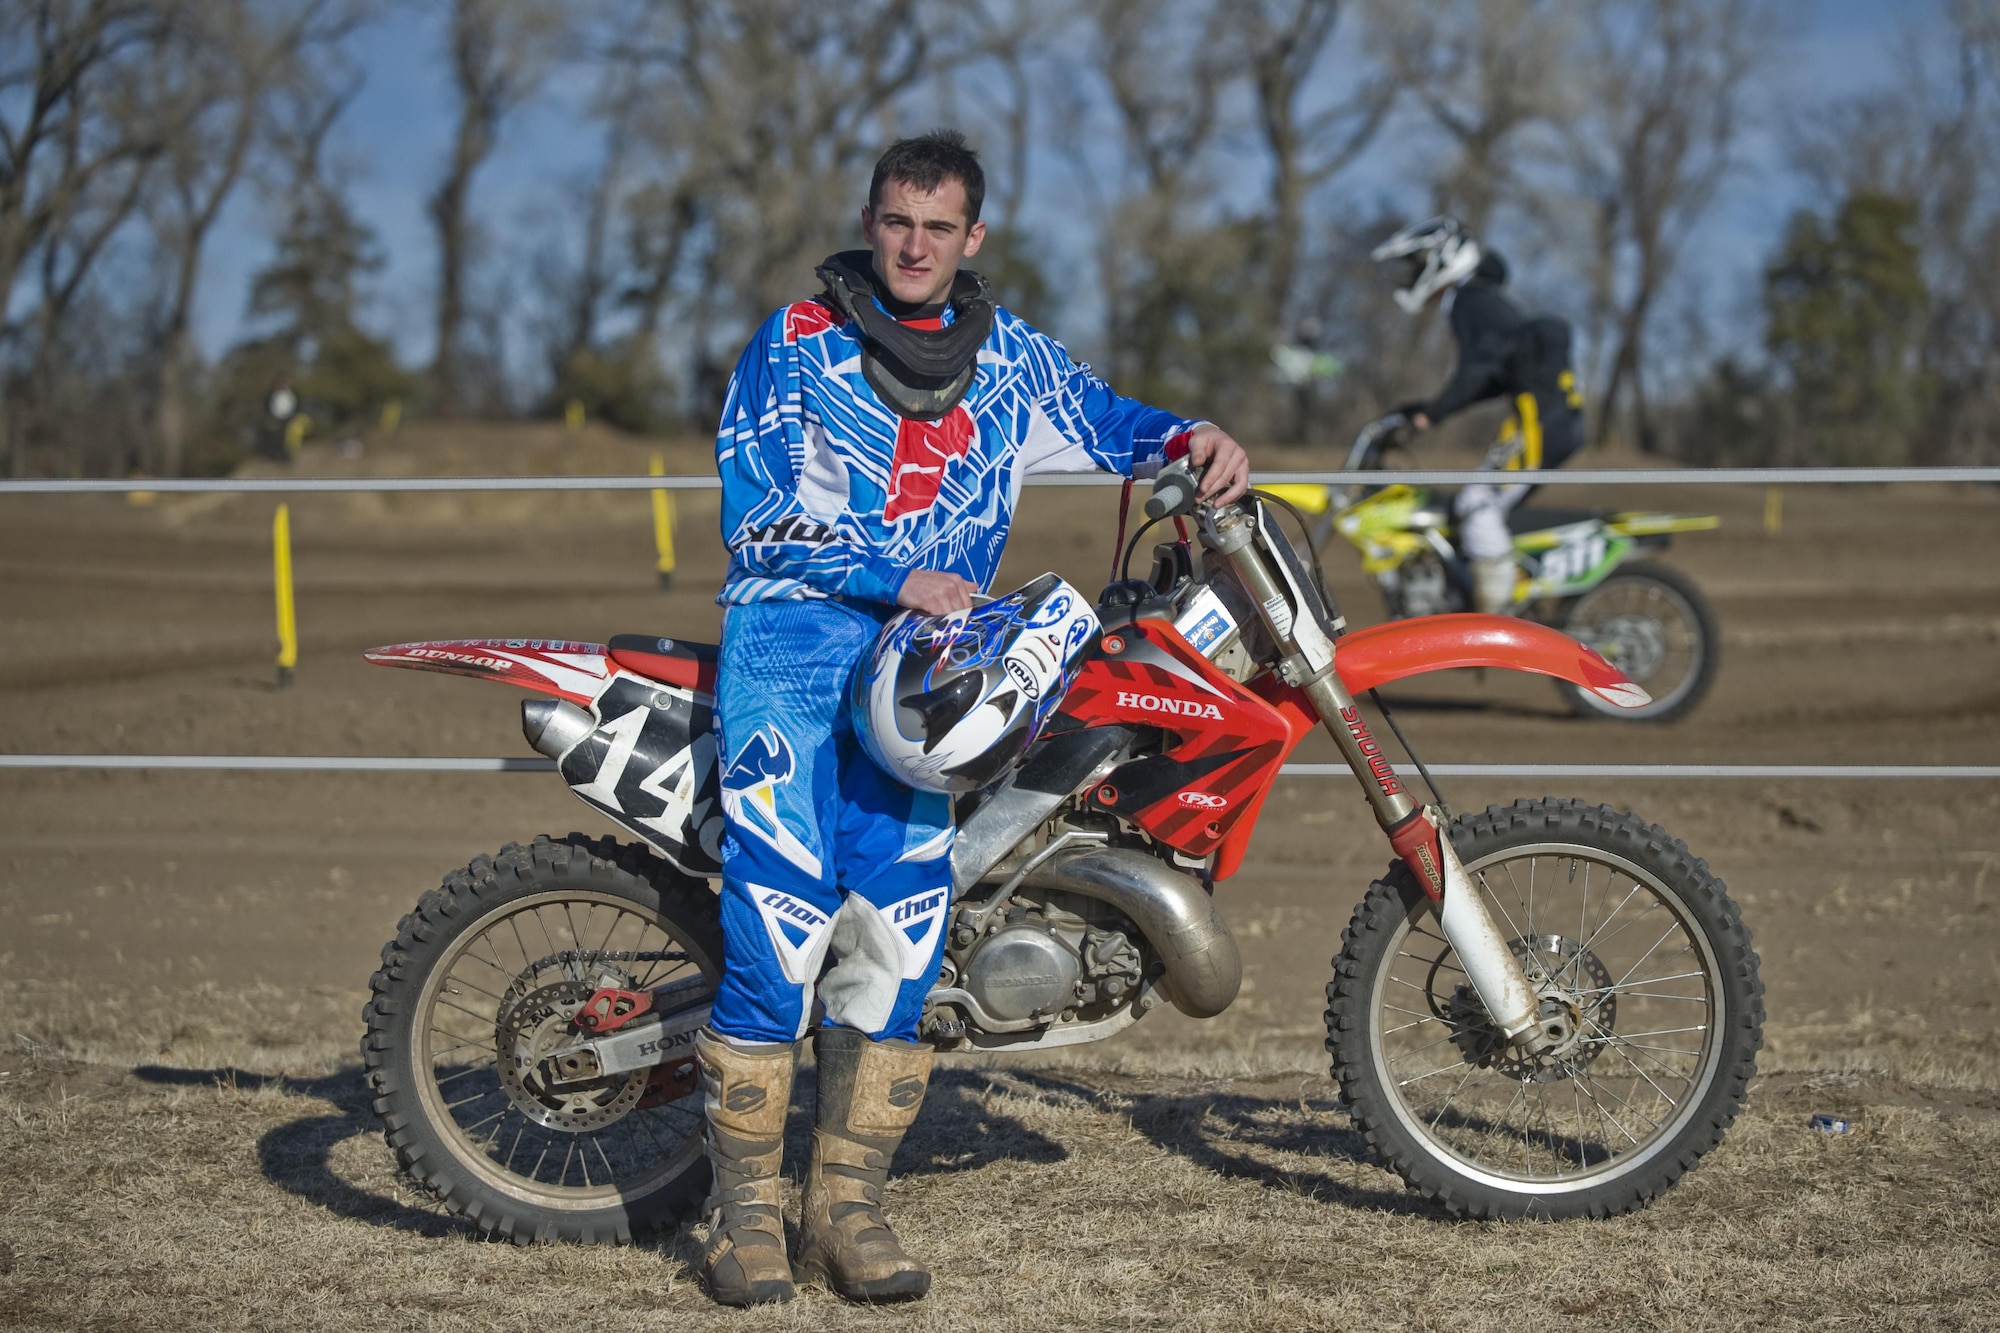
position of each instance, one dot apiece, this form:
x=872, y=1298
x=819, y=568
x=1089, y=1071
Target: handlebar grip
x=1175, y=490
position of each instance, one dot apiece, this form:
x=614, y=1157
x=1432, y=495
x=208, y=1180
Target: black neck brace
x=921, y=373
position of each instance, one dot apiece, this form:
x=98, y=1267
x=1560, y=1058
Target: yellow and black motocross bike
x=1582, y=571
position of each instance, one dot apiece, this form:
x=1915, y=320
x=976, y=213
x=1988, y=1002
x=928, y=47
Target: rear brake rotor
x=530, y=1030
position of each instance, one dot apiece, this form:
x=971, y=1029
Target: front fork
x=1416, y=832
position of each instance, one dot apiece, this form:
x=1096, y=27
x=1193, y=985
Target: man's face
x=920, y=238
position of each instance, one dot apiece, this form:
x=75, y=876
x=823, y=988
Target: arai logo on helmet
x=1166, y=703
x=1024, y=678
x=1202, y=800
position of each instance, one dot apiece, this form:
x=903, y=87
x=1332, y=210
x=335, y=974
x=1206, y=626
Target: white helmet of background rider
x=1439, y=253
x=948, y=703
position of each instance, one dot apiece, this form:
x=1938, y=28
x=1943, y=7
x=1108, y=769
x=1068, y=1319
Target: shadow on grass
x=1234, y=1135
x=956, y=1132
x=298, y=1156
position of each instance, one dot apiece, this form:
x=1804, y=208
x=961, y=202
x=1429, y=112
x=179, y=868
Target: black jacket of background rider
x=1503, y=353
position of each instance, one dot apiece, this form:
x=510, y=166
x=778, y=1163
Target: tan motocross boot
x=869, y=1092
x=746, y=1090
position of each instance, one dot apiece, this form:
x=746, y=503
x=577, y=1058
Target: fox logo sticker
x=923, y=448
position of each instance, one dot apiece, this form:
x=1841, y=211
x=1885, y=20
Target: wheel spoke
x=469, y=1044
x=1419, y=1050
x=1433, y=1073
x=1494, y=898
x=457, y=980
x=1648, y=954
x=1665, y=1096
x=1442, y=967
x=1590, y=941
x=1453, y=1093
x=481, y=1067
x=483, y=1018
x=1659, y=1032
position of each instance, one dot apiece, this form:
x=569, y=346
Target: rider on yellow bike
x=1501, y=352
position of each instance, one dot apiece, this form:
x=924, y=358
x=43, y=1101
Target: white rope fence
x=1582, y=477
x=281, y=763
x=1700, y=476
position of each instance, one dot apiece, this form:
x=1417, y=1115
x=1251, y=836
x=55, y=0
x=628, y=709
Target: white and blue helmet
x=1436, y=253
x=949, y=703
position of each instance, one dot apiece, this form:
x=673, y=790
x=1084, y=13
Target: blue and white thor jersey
x=827, y=492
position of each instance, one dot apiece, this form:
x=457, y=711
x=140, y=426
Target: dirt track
x=185, y=925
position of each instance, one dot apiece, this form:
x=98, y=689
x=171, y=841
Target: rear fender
x=1386, y=653
x=649, y=761
x=566, y=669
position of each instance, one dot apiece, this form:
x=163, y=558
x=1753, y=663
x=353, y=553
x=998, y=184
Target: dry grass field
x=185, y=1141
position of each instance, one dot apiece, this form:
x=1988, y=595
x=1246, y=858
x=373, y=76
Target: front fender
x=1384, y=653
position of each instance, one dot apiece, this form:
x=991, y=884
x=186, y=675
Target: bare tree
x=1165, y=65
x=1666, y=92
x=1010, y=47
x=1486, y=73
x=65, y=260
x=1285, y=44
x=228, y=64
x=499, y=51
x=75, y=147
x=579, y=292
x=760, y=119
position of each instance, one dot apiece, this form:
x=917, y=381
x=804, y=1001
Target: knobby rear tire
x=1384, y=924
x=426, y=1151
x=1693, y=686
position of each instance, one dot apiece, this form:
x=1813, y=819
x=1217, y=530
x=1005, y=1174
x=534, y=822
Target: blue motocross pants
x=822, y=852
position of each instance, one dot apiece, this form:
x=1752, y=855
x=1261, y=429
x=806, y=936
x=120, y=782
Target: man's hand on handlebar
x=935, y=593
x=1227, y=474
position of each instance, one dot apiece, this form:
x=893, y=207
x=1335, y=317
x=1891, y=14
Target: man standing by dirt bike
x=872, y=447
x=1501, y=353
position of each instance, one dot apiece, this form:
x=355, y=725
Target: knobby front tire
x=1610, y=916
x=480, y=984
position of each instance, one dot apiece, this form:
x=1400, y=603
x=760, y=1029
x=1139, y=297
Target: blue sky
x=394, y=139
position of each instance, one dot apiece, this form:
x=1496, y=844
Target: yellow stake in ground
x=288, y=626
x=663, y=524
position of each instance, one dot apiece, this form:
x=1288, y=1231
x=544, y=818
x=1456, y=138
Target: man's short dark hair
x=927, y=162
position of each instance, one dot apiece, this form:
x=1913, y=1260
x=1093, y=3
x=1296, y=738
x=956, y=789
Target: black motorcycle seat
x=1533, y=518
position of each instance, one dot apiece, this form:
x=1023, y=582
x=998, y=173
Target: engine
x=1420, y=588
x=1077, y=944
x=1052, y=953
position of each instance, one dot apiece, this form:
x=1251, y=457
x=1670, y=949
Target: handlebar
x=1177, y=487
x=1366, y=455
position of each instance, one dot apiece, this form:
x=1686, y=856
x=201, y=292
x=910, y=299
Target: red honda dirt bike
x=1546, y=1009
